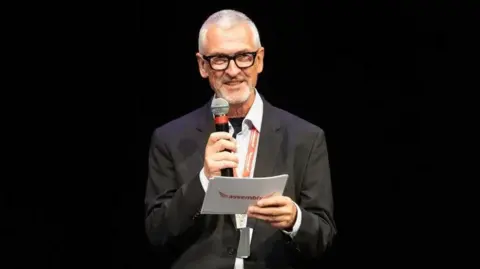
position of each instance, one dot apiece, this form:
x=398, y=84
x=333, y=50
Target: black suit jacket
x=174, y=195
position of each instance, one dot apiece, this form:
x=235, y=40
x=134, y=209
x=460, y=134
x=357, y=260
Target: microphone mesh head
x=219, y=106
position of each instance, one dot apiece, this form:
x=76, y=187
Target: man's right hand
x=215, y=156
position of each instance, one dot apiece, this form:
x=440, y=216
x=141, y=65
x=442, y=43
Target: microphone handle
x=227, y=172
x=223, y=127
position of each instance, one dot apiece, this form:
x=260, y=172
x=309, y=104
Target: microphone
x=220, y=109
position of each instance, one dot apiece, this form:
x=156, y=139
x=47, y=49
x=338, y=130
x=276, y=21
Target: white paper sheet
x=231, y=195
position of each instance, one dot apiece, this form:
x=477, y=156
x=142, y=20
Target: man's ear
x=260, y=57
x=201, y=66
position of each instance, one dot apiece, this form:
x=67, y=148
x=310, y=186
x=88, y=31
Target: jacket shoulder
x=180, y=126
x=296, y=123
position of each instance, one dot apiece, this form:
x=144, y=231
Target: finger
x=215, y=136
x=224, y=156
x=218, y=165
x=273, y=201
x=261, y=217
x=223, y=144
x=271, y=219
x=269, y=211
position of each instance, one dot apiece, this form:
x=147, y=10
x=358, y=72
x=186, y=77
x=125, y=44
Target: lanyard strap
x=243, y=250
x=252, y=145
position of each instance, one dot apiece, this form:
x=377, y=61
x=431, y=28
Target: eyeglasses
x=220, y=62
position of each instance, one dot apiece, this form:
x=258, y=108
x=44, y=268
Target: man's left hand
x=279, y=211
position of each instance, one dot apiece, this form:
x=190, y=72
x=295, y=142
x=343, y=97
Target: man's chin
x=236, y=98
x=234, y=95
x=236, y=101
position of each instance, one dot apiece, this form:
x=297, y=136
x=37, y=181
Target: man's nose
x=232, y=69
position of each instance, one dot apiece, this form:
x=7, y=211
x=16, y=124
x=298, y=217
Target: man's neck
x=241, y=110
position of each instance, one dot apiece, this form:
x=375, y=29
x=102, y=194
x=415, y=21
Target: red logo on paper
x=242, y=197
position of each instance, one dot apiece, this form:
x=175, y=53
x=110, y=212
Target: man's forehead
x=229, y=40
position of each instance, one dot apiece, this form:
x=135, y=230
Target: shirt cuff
x=296, y=226
x=204, y=180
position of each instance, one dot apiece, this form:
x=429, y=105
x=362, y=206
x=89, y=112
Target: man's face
x=231, y=82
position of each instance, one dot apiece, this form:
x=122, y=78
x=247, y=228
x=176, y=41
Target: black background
x=366, y=72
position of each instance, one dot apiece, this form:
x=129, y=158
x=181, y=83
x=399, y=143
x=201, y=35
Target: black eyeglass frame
x=230, y=58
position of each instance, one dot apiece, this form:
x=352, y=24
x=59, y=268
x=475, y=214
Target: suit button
x=231, y=251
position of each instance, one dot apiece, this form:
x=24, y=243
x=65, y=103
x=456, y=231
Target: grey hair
x=225, y=19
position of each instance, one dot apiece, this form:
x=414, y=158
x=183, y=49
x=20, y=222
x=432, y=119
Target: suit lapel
x=269, y=143
x=268, y=147
x=205, y=125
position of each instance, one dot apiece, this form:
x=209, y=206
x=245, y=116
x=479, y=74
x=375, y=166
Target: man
x=185, y=153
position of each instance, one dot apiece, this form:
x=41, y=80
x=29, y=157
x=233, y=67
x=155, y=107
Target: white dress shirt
x=254, y=117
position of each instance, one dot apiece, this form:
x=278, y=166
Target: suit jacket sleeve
x=172, y=208
x=317, y=229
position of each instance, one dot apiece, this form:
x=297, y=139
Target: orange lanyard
x=252, y=145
